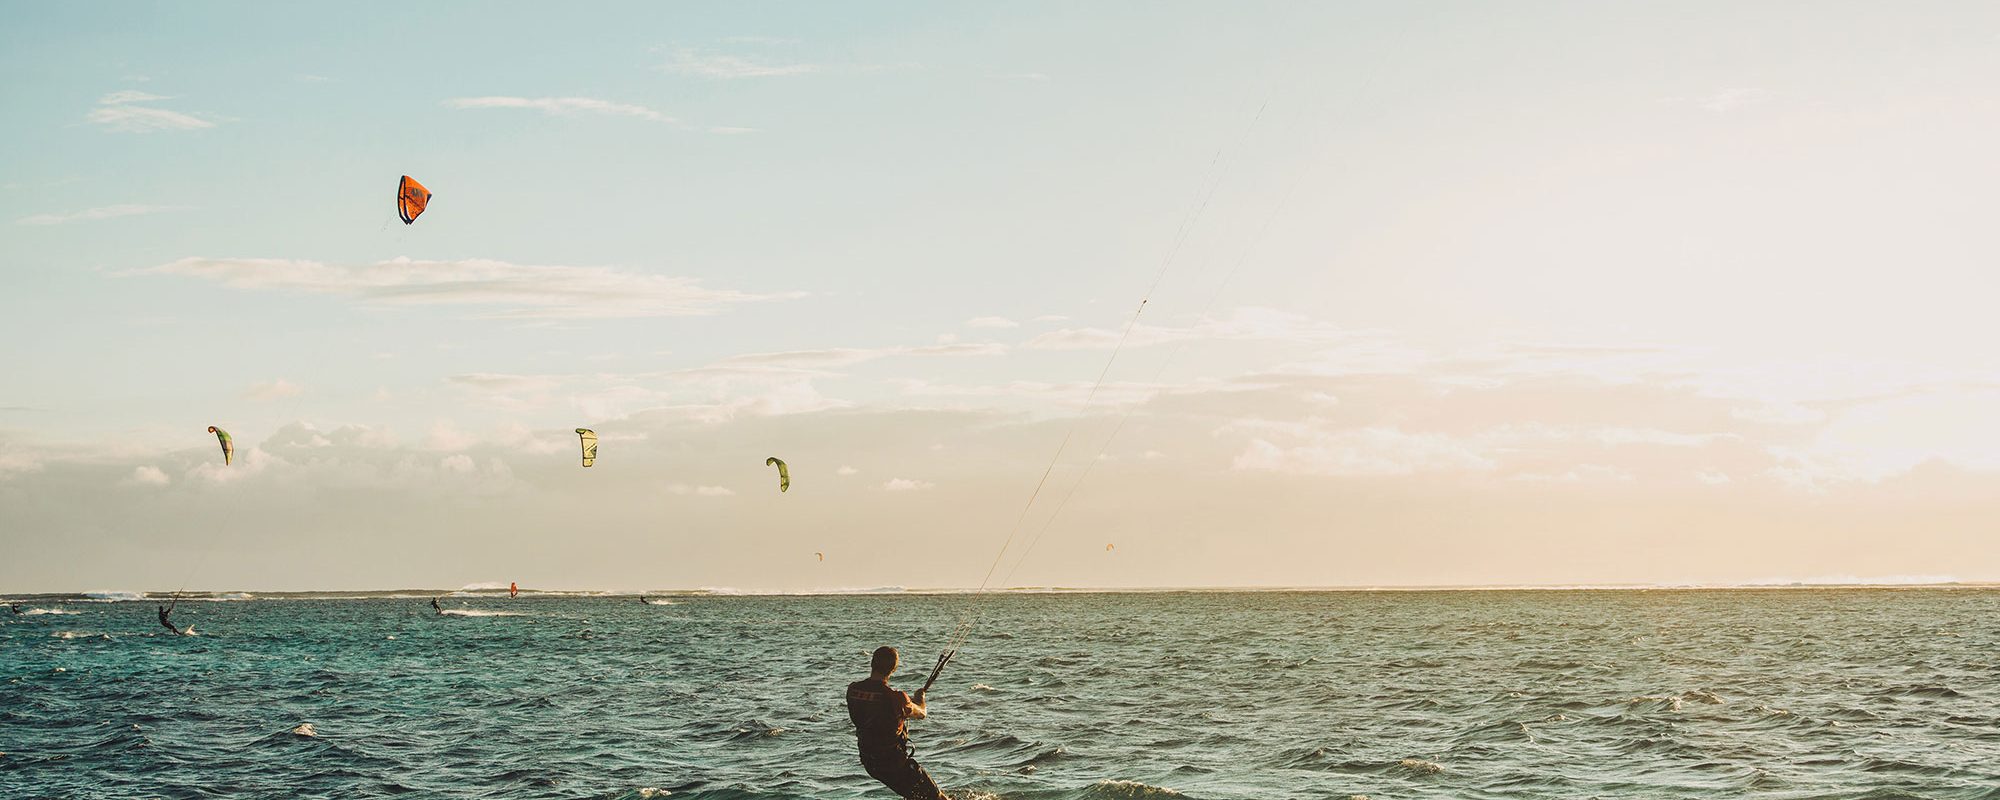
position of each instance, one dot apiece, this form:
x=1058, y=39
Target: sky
x=1435, y=294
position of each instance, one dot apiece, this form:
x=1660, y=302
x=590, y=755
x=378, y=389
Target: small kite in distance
x=784, y=472
x=587, y=438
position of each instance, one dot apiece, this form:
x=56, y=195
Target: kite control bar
x=943, y=659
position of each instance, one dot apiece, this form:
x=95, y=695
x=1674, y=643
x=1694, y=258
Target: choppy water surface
x=1640, y=694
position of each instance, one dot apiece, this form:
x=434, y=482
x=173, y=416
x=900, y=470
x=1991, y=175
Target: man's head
x=884, y=663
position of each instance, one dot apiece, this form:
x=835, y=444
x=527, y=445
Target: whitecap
x=1420, y=766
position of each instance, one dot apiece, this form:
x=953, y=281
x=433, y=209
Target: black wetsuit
x=167, y=623
x=435, y=607
x=877, y=712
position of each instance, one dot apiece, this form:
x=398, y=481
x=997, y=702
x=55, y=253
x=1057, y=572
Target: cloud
x=701, y=491
x=907, y=485
x=129, y=96
x=837, y=357
x=118, y=112
x=501, y=382
x=1732, y=99
x=561, y=106
x=273, y=390
x=514, y=291
x=93, y=214
x=991, y=322
x=149, y=476
x=1243, y=324
x=845, y=470
x=1364, y=452
x=728, y=67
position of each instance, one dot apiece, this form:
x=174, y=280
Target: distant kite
x=228, y=446
x=588, y=438
x=411, y=198
x=784, y=472
x=1107, y=548
x=822, y=556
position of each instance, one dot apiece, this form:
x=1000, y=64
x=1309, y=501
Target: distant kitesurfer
x=878, y=713
x=166, y=610
x=16, y=608
x=435, y=607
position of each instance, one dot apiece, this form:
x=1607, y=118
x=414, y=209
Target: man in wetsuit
x=435, y=607
x=167, y=623
x=878, y=713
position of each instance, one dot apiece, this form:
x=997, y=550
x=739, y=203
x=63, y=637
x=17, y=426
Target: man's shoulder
x=871, y=689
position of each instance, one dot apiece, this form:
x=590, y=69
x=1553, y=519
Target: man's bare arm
x=915, y=708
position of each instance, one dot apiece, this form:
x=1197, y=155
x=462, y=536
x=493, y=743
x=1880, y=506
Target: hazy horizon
x=1543, y=294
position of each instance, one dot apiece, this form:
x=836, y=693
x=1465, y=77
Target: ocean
x=1780, y=693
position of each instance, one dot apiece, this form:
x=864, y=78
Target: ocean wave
x=477, y=612
x=36, y=612
x=113, y=597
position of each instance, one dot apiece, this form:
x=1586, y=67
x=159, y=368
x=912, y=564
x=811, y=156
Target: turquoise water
x=1530, y=694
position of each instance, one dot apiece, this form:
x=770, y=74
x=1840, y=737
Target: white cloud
x=518, y=291
x=1581, y=473
x=561, y=106
x=837, y=357
x=502, y=382
x=1732, y=99
x=726, y=67
x=701, y=491
x=117, y=112
x=149, y=476
x=129, y=96
x=1243, y=324
x=991, y=322
x=1365, y=452
x=907, y=485
x=272, y=390
x=845, y=470
x=93, y=214
x=459, y=463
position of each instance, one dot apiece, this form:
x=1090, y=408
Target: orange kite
x=411, y=197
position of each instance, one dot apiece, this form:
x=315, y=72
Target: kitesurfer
x=878, y=713
x=16, y=608
x=435, y=607
x=165, y=610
